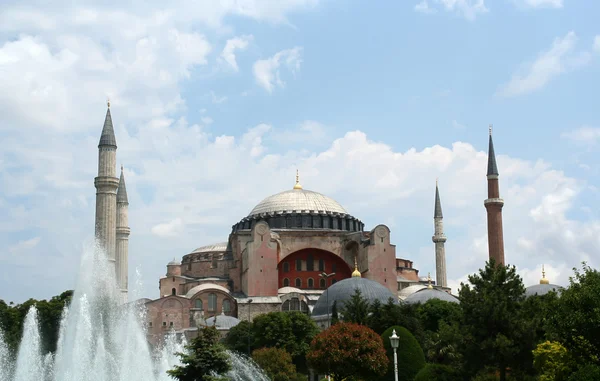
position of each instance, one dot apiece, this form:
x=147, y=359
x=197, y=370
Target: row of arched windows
x=212, y=304
x=310, y=265
x=310, y=283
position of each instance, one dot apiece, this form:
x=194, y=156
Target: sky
x=216, y=104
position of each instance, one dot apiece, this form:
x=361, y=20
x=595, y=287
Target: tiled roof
x=297, y=200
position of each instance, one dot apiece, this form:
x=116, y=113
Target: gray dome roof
x=344, y=289
x=542, y=289
x=426, y=294
x=297, y=200
x=214, y=248
x=222, y=321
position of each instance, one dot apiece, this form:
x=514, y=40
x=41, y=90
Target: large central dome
x=297, y=201
x=299, y=208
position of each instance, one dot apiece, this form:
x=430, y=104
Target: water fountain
x=100, y=340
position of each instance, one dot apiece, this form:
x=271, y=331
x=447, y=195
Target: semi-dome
x=297, y=201
x=427, y=294
x=214, y=248
x=343, y=290
x=222, y=322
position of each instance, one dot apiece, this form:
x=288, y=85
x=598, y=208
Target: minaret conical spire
x=438, y=205
x=122, y=191
x=108, y=133
x=494, y=205
x=439, y=239
x=492, y=169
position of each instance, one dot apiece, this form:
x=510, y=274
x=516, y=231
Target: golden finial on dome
x=297, y=186
x=544, y=280
x=429, y=280
x=356, y=273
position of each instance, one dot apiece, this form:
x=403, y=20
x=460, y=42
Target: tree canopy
x=348, y=350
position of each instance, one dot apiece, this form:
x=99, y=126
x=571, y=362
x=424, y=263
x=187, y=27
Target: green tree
x=204, y=357
x=356, y=309
x=334, y=314
x=492, y=323
x=575, y=320
x=442, y=347
x=552, y=361
x=240, y=338
x=409, y=353
x=276, y=363
x=588, y=372
x=348, y=350
x=292, y=331
x=437, y=372
x=434, y=311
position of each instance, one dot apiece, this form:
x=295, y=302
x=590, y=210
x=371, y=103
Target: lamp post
x=249, y=330
x=326, y=276
x=394, y=341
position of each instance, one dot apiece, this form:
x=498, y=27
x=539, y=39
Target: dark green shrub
x=586, y=373
x=437, y=372
x=410, y=354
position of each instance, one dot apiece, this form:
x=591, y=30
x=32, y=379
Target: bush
x=276, y=363
x=586, y=373
x=437, y=372
x=410, y=354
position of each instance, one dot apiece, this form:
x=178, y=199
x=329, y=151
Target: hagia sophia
x=297, y=250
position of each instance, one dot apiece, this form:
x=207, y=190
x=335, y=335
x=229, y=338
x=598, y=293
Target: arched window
x=298, y=264
x=321, y=265
x=286, y=282
x=286, y=267
x=294, y=304
x=322, y=283
x=311, y=283
x=298, y=283
x=310, y=263
x=173, y=291
x=198, y=304
x=226, y=306
x=212, y=302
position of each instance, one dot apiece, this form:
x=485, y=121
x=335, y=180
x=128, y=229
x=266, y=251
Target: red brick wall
x=332, y=263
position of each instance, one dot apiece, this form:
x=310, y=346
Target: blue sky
x=216, y=104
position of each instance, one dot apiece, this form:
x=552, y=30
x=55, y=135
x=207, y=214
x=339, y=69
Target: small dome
x=406, y=292
x=205, y=286
x=297, y=200
x=426, y=294
x=174, y=262
x=343, y=290
x=215, y=248
x=542, y=289
x=222, y=322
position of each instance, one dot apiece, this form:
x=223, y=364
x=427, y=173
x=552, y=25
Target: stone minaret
x=439, y=239
x=494, y=205
x=122, y=248
x=106, y=189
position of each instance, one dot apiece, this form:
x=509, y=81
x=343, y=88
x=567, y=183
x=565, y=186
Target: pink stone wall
x=261, y=271
x=381, y=255
x=168, y=283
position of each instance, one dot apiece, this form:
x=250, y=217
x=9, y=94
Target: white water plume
x=101, y=339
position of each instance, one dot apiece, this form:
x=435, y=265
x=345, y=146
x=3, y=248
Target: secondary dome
x=343, y=290
x=297, y=201
x=424, y=295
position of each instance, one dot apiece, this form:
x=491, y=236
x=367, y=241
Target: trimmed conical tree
x=410, y=354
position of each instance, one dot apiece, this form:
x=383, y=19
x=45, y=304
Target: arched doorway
x=301, y=269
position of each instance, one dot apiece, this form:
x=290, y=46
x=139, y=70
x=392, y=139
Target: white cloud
x=168, y=229
x=468, y=9
x=584, y=134
x=539, y=3
x=559, y=59
x=458, y=126
x=423, y=7
x=267, y=71
x=216, y=99
x=308, y=133
x=597, y=44
x=237, y=43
